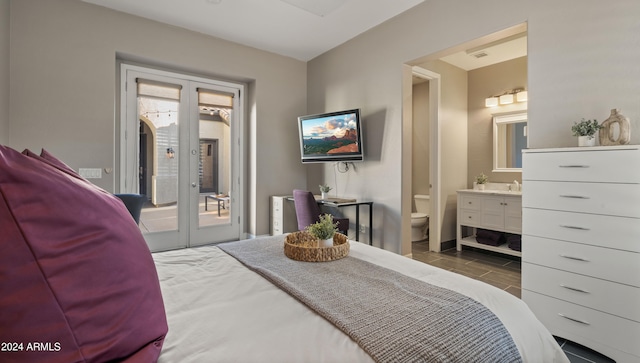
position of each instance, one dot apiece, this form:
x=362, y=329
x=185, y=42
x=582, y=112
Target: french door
x=176, y=133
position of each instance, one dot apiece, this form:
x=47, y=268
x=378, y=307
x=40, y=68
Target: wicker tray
x=302, y=246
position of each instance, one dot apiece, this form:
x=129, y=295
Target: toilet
x=420, y=218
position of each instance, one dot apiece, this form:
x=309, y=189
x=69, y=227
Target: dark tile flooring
x=501, y=271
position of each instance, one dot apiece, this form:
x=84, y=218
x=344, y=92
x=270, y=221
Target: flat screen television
x=329, y=137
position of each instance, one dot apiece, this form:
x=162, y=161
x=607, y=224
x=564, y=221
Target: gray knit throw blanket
x=393, y=317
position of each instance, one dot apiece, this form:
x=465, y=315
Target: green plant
x=325, y=188
x=482, y=179
x=324, y=229
x=585, y=128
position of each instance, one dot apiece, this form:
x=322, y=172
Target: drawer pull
x=575, y=289
x=575, y=196
x=574, y=319
x=573, y=166
x=574, y=227
x=575, y=258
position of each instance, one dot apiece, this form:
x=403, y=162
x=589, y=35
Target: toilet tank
x=423, y=203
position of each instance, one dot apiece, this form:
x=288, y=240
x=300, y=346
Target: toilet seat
x=419, y=219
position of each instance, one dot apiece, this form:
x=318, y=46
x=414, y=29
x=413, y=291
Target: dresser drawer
x=603, y=263
x=598, y=230
x=599, y=198
x=470, y=218
x=603, y=165
x=470, y=202
x=587, y=326
x=612, y=298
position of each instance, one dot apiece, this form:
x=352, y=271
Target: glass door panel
x=217, y=212
x=158, y=112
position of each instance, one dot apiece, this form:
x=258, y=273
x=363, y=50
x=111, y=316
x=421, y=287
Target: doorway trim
x=436, y=212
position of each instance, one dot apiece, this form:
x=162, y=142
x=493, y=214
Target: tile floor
x=501, y=271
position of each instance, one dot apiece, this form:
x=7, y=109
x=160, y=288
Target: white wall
x=579, y=66
x=63, y=89
x=4, y=72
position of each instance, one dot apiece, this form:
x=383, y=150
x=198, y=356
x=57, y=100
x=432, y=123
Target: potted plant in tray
x=323, y=230
x=324, y=189
x=585, y=130
x=481, y=180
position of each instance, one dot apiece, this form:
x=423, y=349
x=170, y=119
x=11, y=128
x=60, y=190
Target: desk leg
x=206, y=199
x=358, y=223
x=219, y=207
x=370, y=224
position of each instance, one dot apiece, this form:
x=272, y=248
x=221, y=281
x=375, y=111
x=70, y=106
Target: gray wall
x=484, y=82
x=4, y=72
x=63, y=89
x=578, y=66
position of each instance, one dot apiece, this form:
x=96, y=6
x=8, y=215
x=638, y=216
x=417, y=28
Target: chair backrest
x=134, y=203
x=307, y=210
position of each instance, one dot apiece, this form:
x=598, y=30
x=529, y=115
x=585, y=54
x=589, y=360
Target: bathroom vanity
x=498, y=210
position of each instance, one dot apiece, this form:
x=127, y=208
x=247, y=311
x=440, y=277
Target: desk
x=357, y=205
x=222, y=201
x=336, y=203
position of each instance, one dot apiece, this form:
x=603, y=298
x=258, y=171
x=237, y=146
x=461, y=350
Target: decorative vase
x=480, y=186
x=323, y=195
x=587, y=140
x=608, y=130
x=325, y=242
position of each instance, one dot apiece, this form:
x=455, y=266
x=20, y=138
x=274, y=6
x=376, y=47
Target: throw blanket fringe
x=393, y=317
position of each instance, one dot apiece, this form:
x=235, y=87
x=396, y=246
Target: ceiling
x=301, y=29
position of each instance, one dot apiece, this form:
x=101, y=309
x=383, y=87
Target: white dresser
x=581, y=245
x=283, y=215
x=488, y=209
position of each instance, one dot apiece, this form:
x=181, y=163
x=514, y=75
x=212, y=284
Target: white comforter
x=219, y=311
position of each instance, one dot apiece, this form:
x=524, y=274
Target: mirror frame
x=506, y=118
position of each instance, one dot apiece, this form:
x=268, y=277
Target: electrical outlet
x=363, y=228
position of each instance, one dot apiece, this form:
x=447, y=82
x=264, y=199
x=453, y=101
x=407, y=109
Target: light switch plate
x=90, y=173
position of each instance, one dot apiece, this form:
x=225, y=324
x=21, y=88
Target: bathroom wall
x=420, y=140
x=485, y=82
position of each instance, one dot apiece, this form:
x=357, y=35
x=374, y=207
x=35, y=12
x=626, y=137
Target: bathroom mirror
x=509, y=139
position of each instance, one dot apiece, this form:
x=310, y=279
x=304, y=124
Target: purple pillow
x=77, y=281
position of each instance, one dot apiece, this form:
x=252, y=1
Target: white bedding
x=219, y=311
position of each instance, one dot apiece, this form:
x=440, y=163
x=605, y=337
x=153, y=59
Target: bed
x=220, y=310
x=78, y=284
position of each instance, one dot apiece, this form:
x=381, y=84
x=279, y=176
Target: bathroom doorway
x=448, y=138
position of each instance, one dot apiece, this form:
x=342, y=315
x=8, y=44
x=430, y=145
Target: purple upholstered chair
x=308, y=212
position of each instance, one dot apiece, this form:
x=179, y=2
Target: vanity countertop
x=492, y=192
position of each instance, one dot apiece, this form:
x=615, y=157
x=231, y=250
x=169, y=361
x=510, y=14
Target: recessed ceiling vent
x=479, y=54
x=317, y=7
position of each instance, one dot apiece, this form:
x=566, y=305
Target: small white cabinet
x=580, y=247
x=283, y=215
x=494, y=210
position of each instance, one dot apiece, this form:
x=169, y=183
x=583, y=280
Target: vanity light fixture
x=506, y=98
x=522, y=96
x=491, y=102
